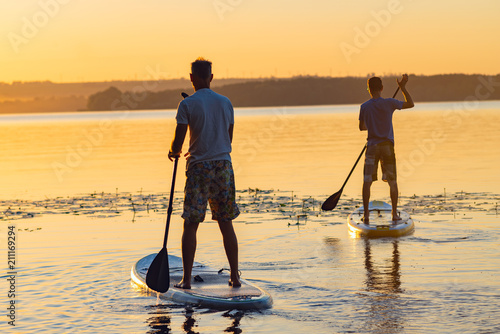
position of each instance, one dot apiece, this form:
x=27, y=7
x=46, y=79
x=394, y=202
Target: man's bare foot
x=396, y=219
x=234, y=282
x=365, y=220
x=182, y=285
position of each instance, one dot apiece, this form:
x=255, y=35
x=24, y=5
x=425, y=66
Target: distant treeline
x=46, y=96
x=19, y=90
x=300, y=91
x=43, y=105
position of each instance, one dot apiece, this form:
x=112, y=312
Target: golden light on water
x=78, y=156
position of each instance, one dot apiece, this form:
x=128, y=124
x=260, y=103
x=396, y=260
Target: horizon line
x=385, y=75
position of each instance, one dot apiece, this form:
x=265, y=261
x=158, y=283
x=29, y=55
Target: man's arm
x=402, y=85
x=180, y=135
x=362, y=125
x=231, y=128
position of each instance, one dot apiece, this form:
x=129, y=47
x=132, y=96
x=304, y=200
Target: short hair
x=201, y=68
x=375, y=84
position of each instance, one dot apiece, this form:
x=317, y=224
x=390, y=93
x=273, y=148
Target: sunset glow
x=75, y=40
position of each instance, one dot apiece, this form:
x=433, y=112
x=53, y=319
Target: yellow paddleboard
x=381, y=223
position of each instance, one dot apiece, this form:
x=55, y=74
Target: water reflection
x=382, y=278
x=236, y=319
x=383, y=286
x=160, y=322
x=189, y=323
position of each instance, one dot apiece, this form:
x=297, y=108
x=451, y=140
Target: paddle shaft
x=170, y=202
x=396, y=93
x=353, y=167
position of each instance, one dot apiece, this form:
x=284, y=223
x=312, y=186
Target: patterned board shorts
x=383, y=152
x=211, y=181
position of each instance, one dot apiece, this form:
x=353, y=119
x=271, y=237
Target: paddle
x=158, y=276
x=332, y=201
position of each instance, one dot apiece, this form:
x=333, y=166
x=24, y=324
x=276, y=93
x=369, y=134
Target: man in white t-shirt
x=210, y=119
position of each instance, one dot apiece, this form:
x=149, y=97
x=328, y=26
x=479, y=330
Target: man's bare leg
x=393, y=186
x=231, y=248
x=366, y=202
x=188, y=251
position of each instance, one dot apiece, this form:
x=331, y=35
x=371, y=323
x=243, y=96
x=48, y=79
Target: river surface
x=86, y=193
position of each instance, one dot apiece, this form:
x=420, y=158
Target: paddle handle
x=170, y=202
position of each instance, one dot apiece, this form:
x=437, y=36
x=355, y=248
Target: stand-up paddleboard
x=381, y=223
x=209, y=287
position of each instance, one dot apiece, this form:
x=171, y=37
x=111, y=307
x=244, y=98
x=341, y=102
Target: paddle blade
x=158, y=276
x=332, y=201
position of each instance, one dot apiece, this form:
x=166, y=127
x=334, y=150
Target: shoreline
x=247, y=110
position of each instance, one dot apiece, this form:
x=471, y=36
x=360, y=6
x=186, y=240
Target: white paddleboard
x=381, y=223
x=213, y=292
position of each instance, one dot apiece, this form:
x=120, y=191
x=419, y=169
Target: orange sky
x=90, y=40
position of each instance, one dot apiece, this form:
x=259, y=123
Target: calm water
x=76, y=174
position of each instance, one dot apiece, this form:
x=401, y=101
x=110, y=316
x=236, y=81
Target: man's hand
x=172, y=155
x=402, y=83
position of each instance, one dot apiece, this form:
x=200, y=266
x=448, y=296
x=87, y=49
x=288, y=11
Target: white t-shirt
x=208, y=116
x=377, y=116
